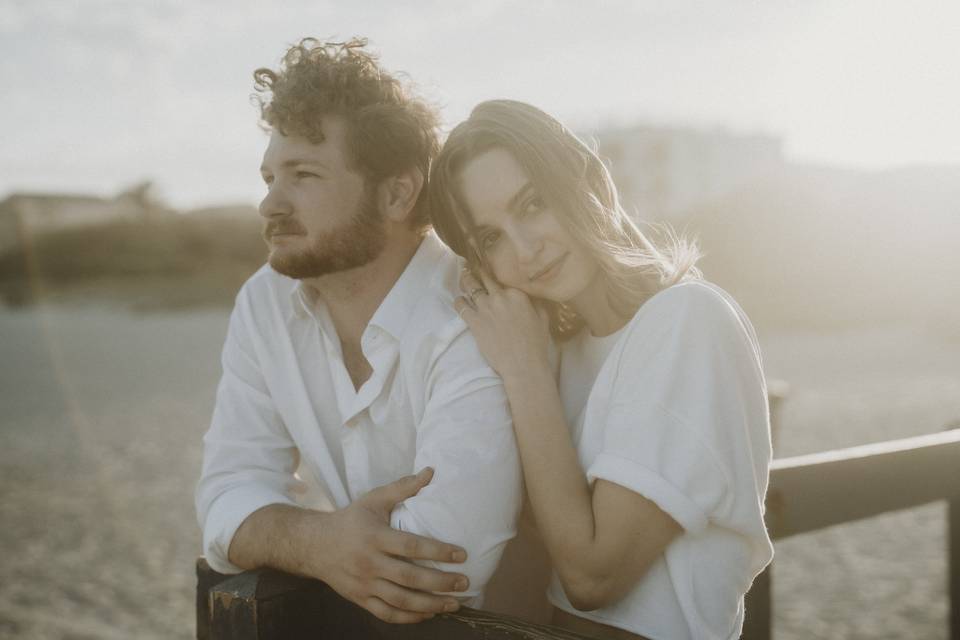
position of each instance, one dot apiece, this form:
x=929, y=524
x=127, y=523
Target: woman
x=646, y=465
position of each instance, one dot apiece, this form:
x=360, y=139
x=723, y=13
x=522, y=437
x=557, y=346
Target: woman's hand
x=512, y=333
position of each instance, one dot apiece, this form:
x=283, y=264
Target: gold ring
x=474, y=292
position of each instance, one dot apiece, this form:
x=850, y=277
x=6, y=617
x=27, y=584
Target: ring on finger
x=476, y=290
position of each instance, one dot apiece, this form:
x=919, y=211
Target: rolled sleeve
x=690, y=441
x=248, y=458
x=466, y=435
x=649, y=483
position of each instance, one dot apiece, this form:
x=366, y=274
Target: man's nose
x=275, y=203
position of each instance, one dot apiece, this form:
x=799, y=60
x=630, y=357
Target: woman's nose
x=528, y=243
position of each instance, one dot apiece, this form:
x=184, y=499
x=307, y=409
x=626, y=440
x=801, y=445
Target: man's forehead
x=285, y=149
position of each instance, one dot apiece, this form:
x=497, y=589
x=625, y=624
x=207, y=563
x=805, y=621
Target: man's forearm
x=356, y=552
x=272, y=536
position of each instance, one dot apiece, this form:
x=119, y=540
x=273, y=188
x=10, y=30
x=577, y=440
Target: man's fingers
x=410, y=546
x=391, y=614
x=388, y=495
x=414, y=601
x=407, y=574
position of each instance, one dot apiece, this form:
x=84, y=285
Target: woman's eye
x=489, y=240
x=306, y=174
x=533, y=205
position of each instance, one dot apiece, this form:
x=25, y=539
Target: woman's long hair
x=573, y=180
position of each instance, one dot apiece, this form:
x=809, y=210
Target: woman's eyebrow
x=519, y=195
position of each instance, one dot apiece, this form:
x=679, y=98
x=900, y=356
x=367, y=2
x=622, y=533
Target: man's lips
x=550, y=269
x=279, y=232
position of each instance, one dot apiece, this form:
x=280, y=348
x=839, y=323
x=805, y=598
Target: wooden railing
x=269, y=605
x=820, y=490
x=806, y=493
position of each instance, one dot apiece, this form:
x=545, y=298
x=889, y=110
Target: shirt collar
x=303, y=299
x=398, y=306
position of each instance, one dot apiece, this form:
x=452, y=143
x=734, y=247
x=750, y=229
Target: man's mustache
x=275, y=228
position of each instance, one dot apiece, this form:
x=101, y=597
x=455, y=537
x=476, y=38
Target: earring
x=566, y=318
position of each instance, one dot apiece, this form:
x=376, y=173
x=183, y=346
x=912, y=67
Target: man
x=345, y=363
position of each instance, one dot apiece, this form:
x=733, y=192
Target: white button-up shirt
x=287, y=405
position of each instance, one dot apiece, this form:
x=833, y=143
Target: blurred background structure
x=813, y=148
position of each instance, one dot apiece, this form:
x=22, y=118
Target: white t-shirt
x=676, y=410
x=286, y=403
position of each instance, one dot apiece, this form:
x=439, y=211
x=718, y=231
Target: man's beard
x=356, y=243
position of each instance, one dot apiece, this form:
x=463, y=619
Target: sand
x=103, y=410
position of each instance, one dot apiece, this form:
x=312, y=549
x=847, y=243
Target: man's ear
x=398, y=194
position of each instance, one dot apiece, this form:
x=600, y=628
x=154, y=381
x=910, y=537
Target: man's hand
x=369, y=562
x=357, y=553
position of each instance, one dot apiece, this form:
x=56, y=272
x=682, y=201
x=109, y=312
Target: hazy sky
x=102, y=93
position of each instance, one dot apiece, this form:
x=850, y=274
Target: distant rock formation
x=27, y=215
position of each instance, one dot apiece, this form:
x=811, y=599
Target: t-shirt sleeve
x=687, y=424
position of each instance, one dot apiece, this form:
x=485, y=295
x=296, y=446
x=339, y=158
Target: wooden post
x=206, y=579
x=758, y=608
x=953, y=544
x=777, y=391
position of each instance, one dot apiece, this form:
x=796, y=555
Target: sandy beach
x=103, y=410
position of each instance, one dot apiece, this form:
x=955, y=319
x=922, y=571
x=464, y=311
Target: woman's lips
x=550, y=270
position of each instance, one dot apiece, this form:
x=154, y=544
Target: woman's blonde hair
x=574, y=182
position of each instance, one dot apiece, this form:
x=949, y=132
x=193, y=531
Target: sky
x=102, y=94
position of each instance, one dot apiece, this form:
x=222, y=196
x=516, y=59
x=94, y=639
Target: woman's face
x=525, y=244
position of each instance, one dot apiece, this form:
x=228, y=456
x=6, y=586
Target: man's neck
x=353, y=296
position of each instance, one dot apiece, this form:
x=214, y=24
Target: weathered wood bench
x=806, y=493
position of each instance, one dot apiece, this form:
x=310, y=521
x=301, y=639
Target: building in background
x=661, y=172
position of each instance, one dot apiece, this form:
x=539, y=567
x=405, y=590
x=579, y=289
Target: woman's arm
x=601, y=540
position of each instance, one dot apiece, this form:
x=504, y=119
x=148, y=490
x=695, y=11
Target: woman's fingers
x=469, y=283
x=464, y=308
x=489, y=282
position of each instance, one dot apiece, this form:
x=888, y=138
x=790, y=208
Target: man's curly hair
x=388, y=129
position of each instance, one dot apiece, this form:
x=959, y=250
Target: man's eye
x=268, y=180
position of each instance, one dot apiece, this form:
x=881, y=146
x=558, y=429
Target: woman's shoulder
x=695, y=300
x=689, y=315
